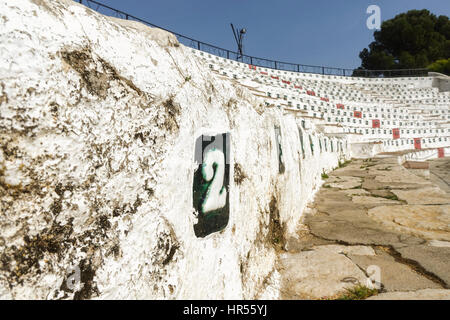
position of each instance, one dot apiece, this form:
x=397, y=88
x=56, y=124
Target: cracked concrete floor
x=374, y=222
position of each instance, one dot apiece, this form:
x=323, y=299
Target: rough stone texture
x=440, y=173
x=345, y=182
x=439, y=243
x=435, y=260
x=341, y=219
x=432, y=195
x=338, y=223
x=430, y=222
x=383, y=193
x=348, y=250
x=425, y=294
x=394, y=276
x=372, y=200
x=355, y=192
x=317, y=274
x=372, y=184
x=399, y=175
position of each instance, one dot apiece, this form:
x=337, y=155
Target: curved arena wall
x=99, y=119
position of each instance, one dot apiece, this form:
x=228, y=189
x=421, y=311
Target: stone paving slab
x=401, y=176
x=357, y=216
x=428, y=195
x=384, y=193
x=367, y=200
x=440, y=173
x=358, y=233
x=394, y=276
x=346, y=183
x=435, y=260
x=355, y=192
x=439, y=243
x=347, y=250
x=426, y=294
x=372, y=184
x=427, y=221
x=317, y=273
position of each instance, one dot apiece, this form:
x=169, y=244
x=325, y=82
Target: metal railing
x=260, y=62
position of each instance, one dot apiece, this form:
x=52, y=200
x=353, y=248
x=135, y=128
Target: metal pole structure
x=236, y=38
x=239, y=37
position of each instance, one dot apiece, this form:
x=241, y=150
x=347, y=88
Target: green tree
x=442, y=66
x=414, y=39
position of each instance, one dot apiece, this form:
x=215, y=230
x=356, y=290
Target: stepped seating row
x=392, y=111
x=240, y=70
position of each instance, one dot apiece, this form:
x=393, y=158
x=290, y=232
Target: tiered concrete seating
x=391, y=112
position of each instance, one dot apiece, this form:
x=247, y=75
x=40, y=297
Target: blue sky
x=319, y=32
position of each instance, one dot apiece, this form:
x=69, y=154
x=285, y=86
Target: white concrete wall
x=96, y=166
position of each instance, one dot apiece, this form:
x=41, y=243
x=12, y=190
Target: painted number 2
x=210, y=189
x=213, y=169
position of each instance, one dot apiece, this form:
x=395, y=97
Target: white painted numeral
x=216, y=195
